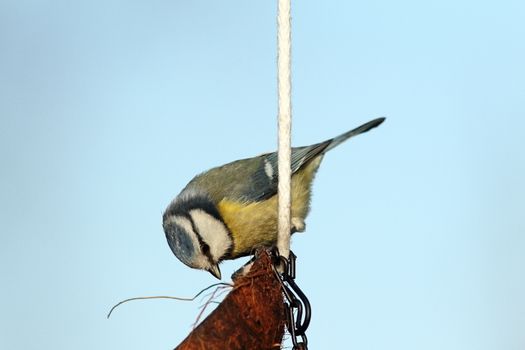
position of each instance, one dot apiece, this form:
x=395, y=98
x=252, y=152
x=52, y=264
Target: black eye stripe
x=205, y=248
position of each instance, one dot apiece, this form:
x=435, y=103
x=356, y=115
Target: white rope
x=284, y=124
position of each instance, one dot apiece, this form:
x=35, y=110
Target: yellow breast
x=254, y=224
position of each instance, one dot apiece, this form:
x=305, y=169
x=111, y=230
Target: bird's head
x=196, y=233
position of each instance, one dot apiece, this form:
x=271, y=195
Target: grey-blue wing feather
x=266, y=177
x=256, y=179
x=300, y=157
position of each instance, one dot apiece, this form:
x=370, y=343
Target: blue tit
x=229, y=211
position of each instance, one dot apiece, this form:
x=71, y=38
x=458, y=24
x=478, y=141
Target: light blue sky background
x=107, y=108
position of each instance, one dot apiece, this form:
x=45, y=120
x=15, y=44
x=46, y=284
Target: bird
x=229, y=211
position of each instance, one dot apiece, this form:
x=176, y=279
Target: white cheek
x=213, y=232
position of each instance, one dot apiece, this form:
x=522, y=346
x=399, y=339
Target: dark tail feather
x=336, y=141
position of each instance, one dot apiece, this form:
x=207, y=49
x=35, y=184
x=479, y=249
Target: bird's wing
x=256, y=179
x=264, y=178
x=253, y=179
x=300, y=157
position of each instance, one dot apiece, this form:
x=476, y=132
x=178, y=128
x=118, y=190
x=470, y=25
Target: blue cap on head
x=180, y=242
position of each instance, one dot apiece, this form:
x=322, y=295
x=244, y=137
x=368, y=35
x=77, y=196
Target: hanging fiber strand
x=284, y=124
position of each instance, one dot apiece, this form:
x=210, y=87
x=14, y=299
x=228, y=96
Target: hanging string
x=284, y=124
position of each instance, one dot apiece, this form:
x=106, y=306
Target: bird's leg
x=298, y=225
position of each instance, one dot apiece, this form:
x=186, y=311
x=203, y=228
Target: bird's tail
x=336, y=141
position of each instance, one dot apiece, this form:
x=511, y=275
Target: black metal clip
x=296, y=302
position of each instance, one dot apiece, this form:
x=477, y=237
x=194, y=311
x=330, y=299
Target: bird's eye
x=205, y=248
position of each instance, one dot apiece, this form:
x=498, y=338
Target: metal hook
x=297, y=326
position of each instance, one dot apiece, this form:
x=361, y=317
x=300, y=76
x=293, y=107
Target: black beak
x=215, y=271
